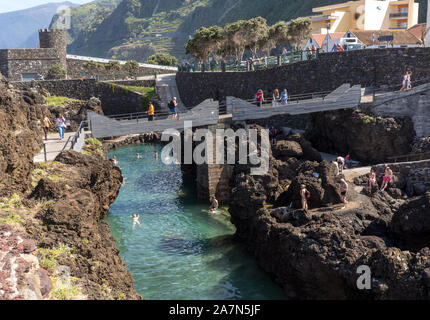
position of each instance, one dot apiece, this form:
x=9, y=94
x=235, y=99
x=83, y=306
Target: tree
x=163, y=59
x=131, y=66
x=204, y=43
x=278, y=33
x=234, y=39
x=299, y=30
x=56, y=71
x=256, y=34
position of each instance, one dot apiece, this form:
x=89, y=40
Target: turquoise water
x=179, y=251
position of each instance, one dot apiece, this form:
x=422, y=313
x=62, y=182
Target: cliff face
x=20, y=135
x=54, y=244
x=367, y=138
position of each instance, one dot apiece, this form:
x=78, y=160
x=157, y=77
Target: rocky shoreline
x=54, y=244
x=315, y=254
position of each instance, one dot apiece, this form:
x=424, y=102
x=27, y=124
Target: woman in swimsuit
x=388, y=176
x=343, y=191
x=371, y=181
x=214, y=205
x=304, y=195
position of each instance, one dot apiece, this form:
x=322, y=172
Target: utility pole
x=428, y=25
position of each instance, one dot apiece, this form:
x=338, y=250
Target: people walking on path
x=151, y=112
x=276, y=97
x=341, y=163
x=61, y=124
x=172, y=106
x=284, y=97
x=406, y=78
x=409, y=81
x=304, y=196
x=260, y=97
x=388, y=177
x=46, y=125
x=343, y=191
x=371, y=181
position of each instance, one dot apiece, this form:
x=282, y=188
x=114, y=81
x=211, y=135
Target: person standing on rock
x=341, y=164
x=214, y=205
x=284, y=97
x=388, y=176
x=409, y=81
x=343, y=191
x=46, y=125
x=61, y=124
x=304, y=195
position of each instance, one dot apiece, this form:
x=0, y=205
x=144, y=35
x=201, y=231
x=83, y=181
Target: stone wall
x=15, y=62
x=413, y=104
x=134, y=83
x=76, y=70
x=328, y=72
x=114, y=99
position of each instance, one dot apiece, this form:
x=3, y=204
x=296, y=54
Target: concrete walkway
x=167, y=89
x=54, y=146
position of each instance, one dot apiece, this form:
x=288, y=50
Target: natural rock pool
x=180, y=251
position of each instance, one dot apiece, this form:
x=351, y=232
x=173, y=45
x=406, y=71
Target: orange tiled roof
x=418, y=30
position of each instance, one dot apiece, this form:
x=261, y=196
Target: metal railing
x=256, y=64
x=410, y=157
x=292, y=98
x=399, y=15
x=78, y=140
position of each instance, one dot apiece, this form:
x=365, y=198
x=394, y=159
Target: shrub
x=163, y=59
x=56, y=71
x=131, y=66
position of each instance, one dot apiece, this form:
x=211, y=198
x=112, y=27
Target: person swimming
x=155, y=154
x=137, y=155
x=135, y=218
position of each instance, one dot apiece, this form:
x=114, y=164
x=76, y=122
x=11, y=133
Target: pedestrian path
x=54, y=146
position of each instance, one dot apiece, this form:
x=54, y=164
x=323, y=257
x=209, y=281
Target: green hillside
x=135, y=29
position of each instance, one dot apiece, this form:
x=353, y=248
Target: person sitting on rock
x=371, y=181
x=337, y=167
x=343, y=191
x=388, y=176
x=304, y=195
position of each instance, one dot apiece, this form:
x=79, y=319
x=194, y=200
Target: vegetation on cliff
x=136, y=29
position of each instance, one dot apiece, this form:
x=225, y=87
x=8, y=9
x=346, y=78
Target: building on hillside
x=27, y=64
x=365, y=15
x=324, y=42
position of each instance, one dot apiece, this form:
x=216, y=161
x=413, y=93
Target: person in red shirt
x=339, y=47
x=260, y=97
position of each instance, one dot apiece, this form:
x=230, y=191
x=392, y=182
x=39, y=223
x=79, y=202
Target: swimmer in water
x=137, y=156
x=214, y=205
x=115, y=162
x=155, y=154
x=135, y=218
